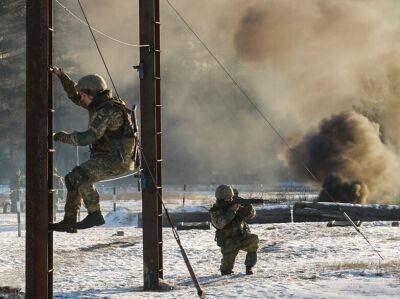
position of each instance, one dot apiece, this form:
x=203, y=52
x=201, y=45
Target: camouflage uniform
x=111, y=140
x=233, y=233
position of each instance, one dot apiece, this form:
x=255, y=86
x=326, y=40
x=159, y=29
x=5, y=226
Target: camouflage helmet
x=91, y=84
x=223, y=192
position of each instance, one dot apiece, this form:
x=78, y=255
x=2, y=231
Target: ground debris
x=11, y=293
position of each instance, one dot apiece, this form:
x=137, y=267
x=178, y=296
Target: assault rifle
x=241, y=201
x=247, y=201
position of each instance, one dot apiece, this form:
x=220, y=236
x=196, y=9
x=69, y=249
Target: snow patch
x=121, y=217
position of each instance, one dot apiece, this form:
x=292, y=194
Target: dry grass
x=385, y=267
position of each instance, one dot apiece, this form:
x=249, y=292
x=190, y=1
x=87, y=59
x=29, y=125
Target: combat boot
x=226, y=272
x=92, y=219
x=249, y=271
x=66, y=225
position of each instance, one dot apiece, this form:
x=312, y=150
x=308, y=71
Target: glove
x=62, y=136
x=245, y=212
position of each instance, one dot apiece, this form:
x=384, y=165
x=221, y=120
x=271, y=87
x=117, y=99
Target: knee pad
x=75, y=178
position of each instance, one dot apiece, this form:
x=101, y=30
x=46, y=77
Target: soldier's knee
x=75, y=179
x=253, y=246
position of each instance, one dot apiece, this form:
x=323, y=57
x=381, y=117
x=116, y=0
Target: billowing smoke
x=334, y=189
x=332, y=56
x=347, y=154
x=300, y=61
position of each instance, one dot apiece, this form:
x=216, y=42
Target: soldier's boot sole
x=62, y=227
x=91, y=220
x=249, y=271
x=227, y=272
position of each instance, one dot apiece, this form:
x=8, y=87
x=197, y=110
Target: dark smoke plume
x=335, y=190
x=347, y=154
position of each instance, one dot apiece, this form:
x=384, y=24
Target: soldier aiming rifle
x=229, y=217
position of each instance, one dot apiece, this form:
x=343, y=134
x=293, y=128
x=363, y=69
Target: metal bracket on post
x=143, y=180
x=140, y=69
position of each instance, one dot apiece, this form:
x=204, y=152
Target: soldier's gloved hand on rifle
x=63, y=137
x=246, y=212
x=235, y=207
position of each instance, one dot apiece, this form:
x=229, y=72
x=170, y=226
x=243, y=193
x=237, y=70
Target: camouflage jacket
x=110, y=132
x=230, y=225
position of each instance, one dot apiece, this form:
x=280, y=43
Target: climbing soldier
x=232, y=231
x=111, y=139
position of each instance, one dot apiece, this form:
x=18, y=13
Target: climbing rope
x=174, y=231
x=269, y=124
x=120, y=177
x=98, y=48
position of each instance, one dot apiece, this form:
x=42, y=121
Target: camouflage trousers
x=231, y=249
x=80, y=183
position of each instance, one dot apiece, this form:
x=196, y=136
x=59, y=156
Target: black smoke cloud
x=346, y=154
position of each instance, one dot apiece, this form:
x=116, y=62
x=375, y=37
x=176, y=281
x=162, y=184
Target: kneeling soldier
x=233, y=233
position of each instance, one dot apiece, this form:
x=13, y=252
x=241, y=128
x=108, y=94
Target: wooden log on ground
x=264, y=214
x=320, y=212
x=340, y=223
x=193, y=225
x=267, y=214
x=272, y=214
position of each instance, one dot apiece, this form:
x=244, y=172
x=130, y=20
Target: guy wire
x=270, y=124
x=98, y=48
x=174, y=231
x=97, y=30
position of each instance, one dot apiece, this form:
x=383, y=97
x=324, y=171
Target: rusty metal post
x=50, y=168
x=157, y=55
x=150, y=109
x=38, y=142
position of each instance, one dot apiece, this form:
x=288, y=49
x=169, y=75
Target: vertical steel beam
x=151, y=147
x=38, y=18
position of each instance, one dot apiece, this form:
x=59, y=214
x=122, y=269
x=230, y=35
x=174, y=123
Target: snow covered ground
x=307, y=260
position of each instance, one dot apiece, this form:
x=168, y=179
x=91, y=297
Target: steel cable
x=270, y=124
x=98, y=48
x=200, y=292
x=97, y=30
